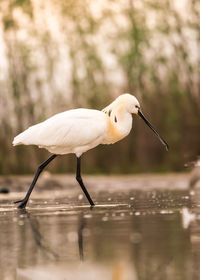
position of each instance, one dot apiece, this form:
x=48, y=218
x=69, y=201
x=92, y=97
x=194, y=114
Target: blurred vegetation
x=57, y=55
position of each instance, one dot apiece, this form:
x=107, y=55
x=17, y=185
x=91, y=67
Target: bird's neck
x=119, y=122
x=122, y=119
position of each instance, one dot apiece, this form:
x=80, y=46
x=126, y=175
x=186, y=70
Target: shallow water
x=128, y=235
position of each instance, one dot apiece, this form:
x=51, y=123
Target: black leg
x=80, y=181
x=39, y=170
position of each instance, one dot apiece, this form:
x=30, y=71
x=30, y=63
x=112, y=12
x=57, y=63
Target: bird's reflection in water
x=82, y=224
x=42, y=243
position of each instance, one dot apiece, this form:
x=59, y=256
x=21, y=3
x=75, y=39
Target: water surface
x=130, y=234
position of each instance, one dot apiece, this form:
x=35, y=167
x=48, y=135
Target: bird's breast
x=113, y=133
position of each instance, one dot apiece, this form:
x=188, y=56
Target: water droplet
x=104, y=219
x=22, y=216
x=137, y=213
x=132, y=198
x=80, y=197
x=87, y=216
x=166, y=212
x=187, y=217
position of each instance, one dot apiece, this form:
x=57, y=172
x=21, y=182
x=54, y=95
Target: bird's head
x=132, y=105
x=129, y=102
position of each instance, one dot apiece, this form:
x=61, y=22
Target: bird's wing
x=70, y=128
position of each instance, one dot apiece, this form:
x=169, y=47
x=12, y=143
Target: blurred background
x=58, y=54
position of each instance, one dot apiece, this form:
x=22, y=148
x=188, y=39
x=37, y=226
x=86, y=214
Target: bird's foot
x=23, y=203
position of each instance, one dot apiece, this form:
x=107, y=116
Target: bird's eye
x=136, y=106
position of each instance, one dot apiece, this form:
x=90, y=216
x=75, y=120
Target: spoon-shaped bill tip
x=166, y=147
x=164, y=143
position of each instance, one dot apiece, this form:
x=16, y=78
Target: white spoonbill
x=79, y=130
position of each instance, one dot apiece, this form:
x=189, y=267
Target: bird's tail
x=17, y=140
x=24, y=138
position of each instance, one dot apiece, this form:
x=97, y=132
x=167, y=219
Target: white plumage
x=73, y=131
x=77, y=131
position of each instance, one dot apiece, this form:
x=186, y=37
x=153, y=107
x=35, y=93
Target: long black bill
x=148, y=123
